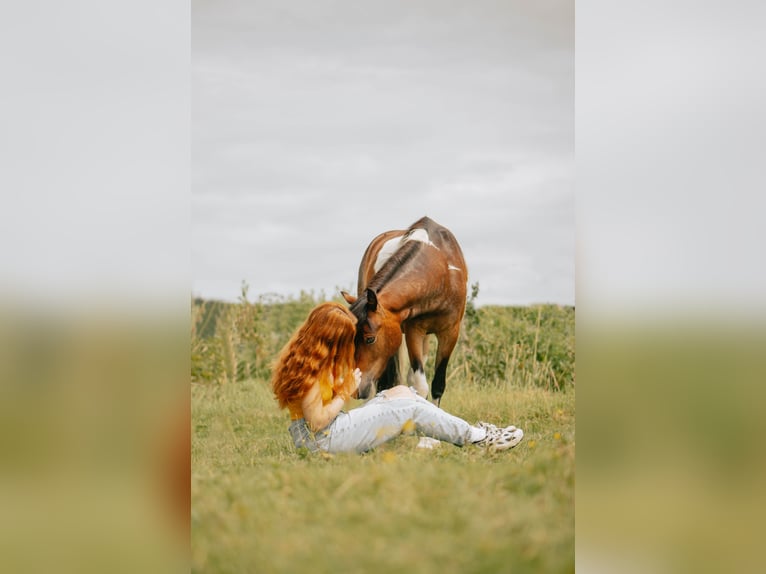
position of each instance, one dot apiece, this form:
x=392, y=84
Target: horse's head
x=378, y=336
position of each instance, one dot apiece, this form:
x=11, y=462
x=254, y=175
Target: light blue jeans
x=381, y=419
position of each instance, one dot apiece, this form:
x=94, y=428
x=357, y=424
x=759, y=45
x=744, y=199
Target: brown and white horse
x=413, y=282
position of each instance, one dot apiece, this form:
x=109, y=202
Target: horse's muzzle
x=366, y=388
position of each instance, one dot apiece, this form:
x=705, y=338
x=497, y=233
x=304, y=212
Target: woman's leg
x=382, y=419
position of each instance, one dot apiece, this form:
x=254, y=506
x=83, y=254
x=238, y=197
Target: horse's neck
x=408, y=296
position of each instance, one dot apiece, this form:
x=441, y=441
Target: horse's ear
x=350, y=299
x=372, y=300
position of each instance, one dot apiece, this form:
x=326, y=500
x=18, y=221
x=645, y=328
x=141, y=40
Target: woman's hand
x=357, y=379
x=350, y=384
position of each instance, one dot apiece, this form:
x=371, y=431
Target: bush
x=522, y=345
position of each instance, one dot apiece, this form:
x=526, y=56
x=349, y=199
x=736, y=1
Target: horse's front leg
x=446, y=344
x=416, y=339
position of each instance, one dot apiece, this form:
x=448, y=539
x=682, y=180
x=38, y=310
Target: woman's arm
x=319, y=415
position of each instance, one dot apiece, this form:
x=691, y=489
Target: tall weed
x=524, y=346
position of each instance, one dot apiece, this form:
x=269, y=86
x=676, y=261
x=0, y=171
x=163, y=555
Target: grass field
x=260, y=506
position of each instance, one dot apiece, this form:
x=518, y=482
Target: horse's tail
x=401, y=358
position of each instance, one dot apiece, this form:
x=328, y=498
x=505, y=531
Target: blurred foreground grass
x=93, y=442
x=259, y=506
x=670, y=465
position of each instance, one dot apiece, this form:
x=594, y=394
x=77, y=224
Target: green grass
x=260, y=506
x=532, y=345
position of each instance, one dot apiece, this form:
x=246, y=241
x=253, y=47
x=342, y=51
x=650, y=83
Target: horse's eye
x=369, y=340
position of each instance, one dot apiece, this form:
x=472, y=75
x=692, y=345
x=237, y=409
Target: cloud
x=315, y=130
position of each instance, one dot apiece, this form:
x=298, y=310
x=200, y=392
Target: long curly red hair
x=322, y=347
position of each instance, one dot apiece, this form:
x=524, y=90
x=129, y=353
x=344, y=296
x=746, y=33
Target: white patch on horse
x=422, y=236
x=390, y=246
x=453, y=268
x=388, y=249
x=417, y=379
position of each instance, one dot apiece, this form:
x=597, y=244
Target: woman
x=315, y=376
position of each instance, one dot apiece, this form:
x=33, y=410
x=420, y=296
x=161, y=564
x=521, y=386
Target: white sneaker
x=428, y=442
x=499, y=438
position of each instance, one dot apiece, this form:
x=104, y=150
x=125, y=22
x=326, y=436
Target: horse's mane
x=394, y=264
x=384, y=275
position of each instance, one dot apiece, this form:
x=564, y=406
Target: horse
x=411, y=282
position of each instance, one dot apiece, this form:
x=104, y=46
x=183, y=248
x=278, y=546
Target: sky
x=318, y=125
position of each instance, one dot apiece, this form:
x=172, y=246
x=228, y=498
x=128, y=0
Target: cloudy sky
x=318, y=125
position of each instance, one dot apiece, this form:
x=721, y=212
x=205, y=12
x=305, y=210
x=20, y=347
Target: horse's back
x=449, y=248
x=442, y=238
x=428, y=231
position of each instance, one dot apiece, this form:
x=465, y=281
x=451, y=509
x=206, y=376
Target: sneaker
x=486, y=426
x=428, y=442
x=499, y=438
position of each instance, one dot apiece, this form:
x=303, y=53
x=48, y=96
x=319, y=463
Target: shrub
x=531, y=345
